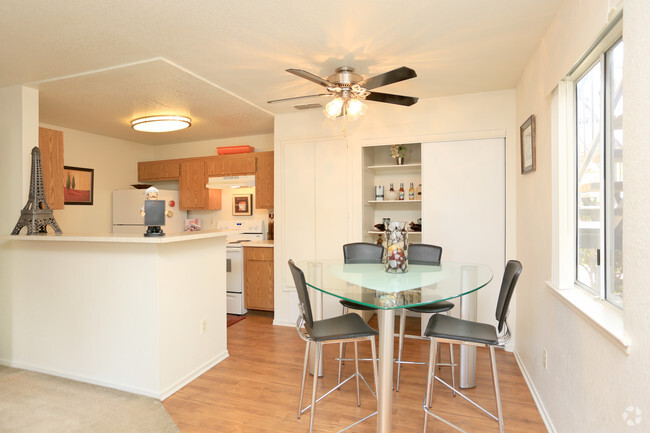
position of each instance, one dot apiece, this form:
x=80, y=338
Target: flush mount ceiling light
x=161, y=123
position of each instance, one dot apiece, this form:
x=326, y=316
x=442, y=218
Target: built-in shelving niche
x=379, y=168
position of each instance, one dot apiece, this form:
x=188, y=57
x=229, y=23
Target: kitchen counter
x=143, y=315
x=124, y=238
x=258, y=244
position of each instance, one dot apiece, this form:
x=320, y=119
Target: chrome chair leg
x=428, y=398
x=340, y=364
x=402, y=325
x=304, y=374
x=356, y=369
x=319, y=349
x=375, y=367
x=453, y=368
x=497, y=394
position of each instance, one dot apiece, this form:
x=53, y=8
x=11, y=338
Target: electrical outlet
x=204, y=326
x=545, y=359
x=211, y=221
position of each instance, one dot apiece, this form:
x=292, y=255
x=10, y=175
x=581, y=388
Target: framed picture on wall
x=527, y=140
x=78, y=185
x=242, y=204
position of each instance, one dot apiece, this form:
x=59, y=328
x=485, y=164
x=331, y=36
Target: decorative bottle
x=411, y=192
x=401, y=191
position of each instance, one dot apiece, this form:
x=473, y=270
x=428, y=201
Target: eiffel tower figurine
x=36, y=215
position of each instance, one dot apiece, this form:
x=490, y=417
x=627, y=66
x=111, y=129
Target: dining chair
x=442, y=328
x=358, y=252
x=348, y=328
x=423, y=254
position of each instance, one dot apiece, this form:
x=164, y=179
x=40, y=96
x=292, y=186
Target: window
x=598, y=137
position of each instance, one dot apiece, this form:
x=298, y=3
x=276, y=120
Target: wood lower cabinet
x=50, y=143
x=264, y=181
x=158, y=170
x=192, y=191
x=258, y=278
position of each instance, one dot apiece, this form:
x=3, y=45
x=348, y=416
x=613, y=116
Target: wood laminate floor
x=256, y=389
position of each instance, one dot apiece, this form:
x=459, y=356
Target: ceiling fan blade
x=407, y=101
x=309, y=76
x=297, y=97
x=390, y=77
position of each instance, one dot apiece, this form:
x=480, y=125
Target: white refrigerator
x=127, y=204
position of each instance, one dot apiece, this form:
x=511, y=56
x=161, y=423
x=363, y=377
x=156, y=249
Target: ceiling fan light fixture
x=333, y=108
x=355, y=108
x=352, y=108
x=167, y=123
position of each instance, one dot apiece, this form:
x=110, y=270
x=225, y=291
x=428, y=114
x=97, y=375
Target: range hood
x=231, y=182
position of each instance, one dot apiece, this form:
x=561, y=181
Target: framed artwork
x=242, y=204
x=78, y=185
x=527, y=140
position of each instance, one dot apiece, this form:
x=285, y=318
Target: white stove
x=250, y=230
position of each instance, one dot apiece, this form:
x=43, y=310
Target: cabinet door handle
x=228, y=265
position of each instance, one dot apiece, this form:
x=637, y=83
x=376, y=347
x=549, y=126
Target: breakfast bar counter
x=145, y=315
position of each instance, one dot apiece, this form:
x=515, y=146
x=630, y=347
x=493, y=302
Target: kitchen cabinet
x=231, y=165
x=264, y=181
x=50, y=143
x=158, y=170
x=192, y=191
x=258, y=278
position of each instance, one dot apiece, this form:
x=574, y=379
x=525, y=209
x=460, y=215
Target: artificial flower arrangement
x=397, y=151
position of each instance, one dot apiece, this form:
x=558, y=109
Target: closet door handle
x=228, y=265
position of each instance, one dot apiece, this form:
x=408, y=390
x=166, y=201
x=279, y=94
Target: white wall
x=590, y=381
x=435, y=119
x=115, y=164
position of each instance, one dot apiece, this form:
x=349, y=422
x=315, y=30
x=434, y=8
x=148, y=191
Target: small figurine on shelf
x=380, y=240
x=398, y=151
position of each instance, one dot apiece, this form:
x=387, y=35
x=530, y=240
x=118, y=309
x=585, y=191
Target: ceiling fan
x=350, y=88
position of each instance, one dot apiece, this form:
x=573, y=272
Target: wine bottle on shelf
x=411, y=192
x=401, y=191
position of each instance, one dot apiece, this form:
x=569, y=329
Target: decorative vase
x=399, y=160
x=395, y=253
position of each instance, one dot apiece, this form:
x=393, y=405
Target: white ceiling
x=99, y=64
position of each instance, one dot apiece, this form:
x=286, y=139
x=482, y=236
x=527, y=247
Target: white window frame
x=603, y=315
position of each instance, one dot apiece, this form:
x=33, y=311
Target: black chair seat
x=346, y=326
x=355, y=306
x=433, y=307
x=441, y=326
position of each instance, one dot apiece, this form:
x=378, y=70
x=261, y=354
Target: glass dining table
x=371, y=285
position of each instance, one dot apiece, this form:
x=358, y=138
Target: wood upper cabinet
x=258, y=278
x=50, y=142
x=231, y=165
x=158, y=170
x=264, y=181
x=192, y=191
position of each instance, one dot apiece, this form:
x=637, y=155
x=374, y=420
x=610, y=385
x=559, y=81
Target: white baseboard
x=121, y=387
x=283, y=323
x=193, y=375
x=81, y=378
x=538, y=401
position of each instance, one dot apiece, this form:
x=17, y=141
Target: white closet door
x=316, y=190
x=463, y=208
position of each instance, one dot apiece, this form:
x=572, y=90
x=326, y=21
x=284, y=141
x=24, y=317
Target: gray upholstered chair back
x=303, y=295
x=424, y=254
x=510, y=277
x=362, y=252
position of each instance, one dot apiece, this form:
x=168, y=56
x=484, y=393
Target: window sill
x=602, y=317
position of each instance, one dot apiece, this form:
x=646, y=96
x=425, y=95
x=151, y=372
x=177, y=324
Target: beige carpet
x=37, y=403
